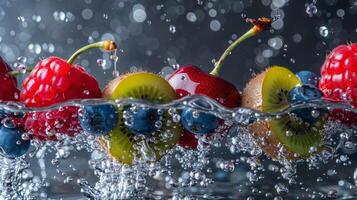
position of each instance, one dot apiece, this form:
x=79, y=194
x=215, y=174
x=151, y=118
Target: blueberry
x=305, y=93
x=11, y=143
x=98, y=119
x=143, y=120
x=308, y=78
x=202, y=124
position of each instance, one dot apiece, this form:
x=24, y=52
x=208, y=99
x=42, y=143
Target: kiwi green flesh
x=277, y=83
x=275, y=90
x=302, y=136
x=123, y=141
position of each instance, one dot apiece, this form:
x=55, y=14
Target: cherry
x=190, y=80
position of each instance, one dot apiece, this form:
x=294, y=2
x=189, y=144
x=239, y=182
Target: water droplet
x=324, y=32
x=102, y=63
x=172, y=29
x=191, y=17
x=311, y=9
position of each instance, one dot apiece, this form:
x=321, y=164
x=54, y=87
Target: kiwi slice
x=124, y=145
x=277, y=84
x=268, y=92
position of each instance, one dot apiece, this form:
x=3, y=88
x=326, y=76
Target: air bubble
x=311, y=9
x=172, y=29
x=191, y=17
x=324, y=32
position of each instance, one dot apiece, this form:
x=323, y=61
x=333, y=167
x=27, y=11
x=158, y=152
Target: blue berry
x=305, y=93
x=202, y=124
x=308, y=78
x=98, y=119
x=143, y=121
x=11, y=143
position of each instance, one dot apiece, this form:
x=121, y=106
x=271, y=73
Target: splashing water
x=218, y=156
x=17, y=181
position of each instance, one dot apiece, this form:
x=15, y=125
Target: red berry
x=339, y=80
x=53, y=81
x=8, y=89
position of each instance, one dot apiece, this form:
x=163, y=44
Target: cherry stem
x=260, y=25
x=107, y=45
x=17, y=73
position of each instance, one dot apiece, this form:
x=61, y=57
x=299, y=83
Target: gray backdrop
x=156, y=34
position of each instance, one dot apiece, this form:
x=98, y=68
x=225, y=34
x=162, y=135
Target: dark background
x=150, y=45
x=158, y=35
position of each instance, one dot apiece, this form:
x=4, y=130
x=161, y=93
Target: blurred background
x=155, y=34
x=160, y=36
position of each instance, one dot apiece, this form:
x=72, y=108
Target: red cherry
x=190, y=80
x=8, y=83
x=339, y=80
x=53, y=81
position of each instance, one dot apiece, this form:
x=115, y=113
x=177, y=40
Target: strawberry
x=8, y=89
x=53, y=81
x=339, y=80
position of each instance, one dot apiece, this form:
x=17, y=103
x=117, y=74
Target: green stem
x=228, y=51
x=259, y=25
x=106, y=45
x=16, y=73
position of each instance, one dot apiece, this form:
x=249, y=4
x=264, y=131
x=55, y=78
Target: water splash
x=181, y=169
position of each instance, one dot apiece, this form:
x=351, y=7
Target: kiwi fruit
x=121, y=143
x=268, y=92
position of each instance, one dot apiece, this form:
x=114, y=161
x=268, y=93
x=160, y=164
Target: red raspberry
x=339, y=80
x=52, y=81
x=8, y=89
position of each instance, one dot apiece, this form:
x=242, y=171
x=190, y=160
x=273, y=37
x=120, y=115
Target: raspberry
x=339, y=80
x=52, y=81
x=8, y=89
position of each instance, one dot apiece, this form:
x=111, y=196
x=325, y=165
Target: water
x=231, y=165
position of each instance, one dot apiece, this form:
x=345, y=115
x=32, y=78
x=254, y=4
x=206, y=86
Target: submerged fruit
x=142, y=121
x=98, y=119
x=199, y=123
x=301, y=94
x=269, y=92
x=339, y=80
x=123, y=143
x=12, y=145
x=190, y=80
x=54, y=80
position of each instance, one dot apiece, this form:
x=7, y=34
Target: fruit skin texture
x=98, y=119
x=308, y=78
x=305, y=93
x=190, y=80
x=339, y=80
x=253, y=98
x=122, y=87
x=8, y=89
x=202, y=124
x=143, y=122
x=9, y=136
x=53, y=81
